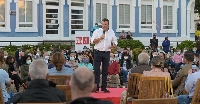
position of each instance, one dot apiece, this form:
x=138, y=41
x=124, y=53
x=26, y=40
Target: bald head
x=82, y=80
x=79, y=51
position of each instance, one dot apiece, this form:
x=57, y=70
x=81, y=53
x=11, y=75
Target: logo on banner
x=78, y=40
x=86, y=40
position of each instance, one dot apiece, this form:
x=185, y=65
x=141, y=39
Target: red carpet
x=114, y=95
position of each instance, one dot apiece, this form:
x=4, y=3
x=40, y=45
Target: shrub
x=187, y=43
x=10, y=49
x=130, y=42
x=136, y=52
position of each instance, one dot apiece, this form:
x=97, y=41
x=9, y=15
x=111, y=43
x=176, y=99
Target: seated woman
x=116, y=56
x=10, y=61
x=88, y=53
x=26, y=61
x=58, y=60
x=50, y=65
x=129, y=35
x=85, y=62
x=153, y=54
x=73, y=61
x=125, y=65
x=46, y=57
x=156, y=65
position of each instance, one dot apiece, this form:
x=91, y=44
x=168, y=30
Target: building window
x=124, y=16
x=2, y=14
x=146, y=17
x=5, y=16
x=102, y=9
x=26, y=15
x=167, y=17
x=77, y=15
x=101, y=12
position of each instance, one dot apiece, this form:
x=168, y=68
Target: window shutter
x=149, y=14
x=127, y=14
x=21, y=5
x=104, y=11
x=98, y=13
x=170, y=15
x=121, y=14
x=29, y=11
x=2, y=12
x=164, y=15
x=143, y=14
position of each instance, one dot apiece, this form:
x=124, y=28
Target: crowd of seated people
x=65, y=62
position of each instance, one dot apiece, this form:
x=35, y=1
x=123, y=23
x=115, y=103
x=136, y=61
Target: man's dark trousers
x=104, y=57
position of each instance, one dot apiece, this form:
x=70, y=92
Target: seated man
x=143, y=61
x=113, y=72
x=190, y=86
x=38, y=88
x=176, y=60
x=82, y=84
x=179, y=82
x=5, y=81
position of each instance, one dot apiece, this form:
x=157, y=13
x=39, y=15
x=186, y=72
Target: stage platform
x=114, y=95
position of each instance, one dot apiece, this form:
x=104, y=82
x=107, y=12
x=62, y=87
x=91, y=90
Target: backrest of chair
x=59, y=79
x=1, y=96
x=156, y=101
x=133, y=84
x=66, y=90
x=196, y=96
x=168, y=86
x=151, y=87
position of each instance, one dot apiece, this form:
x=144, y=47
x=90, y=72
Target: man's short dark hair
x=105, y=19
x=189, y=56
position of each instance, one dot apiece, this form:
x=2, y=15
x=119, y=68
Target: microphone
x=104, y=31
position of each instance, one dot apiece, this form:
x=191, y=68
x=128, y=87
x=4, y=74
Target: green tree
x=197, y=6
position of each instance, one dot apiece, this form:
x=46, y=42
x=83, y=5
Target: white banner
x=82, y=38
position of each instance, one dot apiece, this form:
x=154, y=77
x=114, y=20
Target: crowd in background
x=156, y=60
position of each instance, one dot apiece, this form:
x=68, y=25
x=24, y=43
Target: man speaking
x=104, y=39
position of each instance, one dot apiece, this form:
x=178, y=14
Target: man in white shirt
x=102, y=38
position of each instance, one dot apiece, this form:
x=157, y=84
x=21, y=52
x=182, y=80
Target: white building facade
x=39, y=20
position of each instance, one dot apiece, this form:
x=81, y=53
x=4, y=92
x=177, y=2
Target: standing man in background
x=154, y=42
x=95, y=27
x=103, y=38
x=166, y=45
